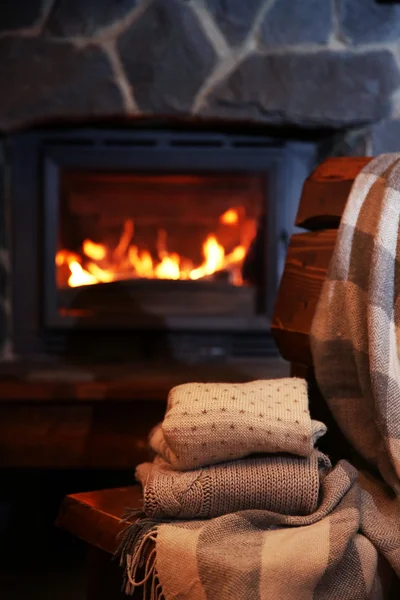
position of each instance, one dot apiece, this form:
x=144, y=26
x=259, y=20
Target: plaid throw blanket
x=349, y=547
x=356, y=343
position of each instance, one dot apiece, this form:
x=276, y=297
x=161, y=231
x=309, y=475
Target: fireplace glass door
x=134, y=247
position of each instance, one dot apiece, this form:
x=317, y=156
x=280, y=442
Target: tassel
x=136, y=552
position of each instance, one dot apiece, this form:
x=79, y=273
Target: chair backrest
x=321, y=206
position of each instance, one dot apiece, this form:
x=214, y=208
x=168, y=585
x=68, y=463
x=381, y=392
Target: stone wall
x=295, y=62
x=307, y=63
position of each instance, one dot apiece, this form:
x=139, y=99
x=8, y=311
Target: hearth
x=147, y=243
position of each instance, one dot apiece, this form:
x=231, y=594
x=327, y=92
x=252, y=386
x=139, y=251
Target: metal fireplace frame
x=35, y=160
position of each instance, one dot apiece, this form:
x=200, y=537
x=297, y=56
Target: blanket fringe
x=137, y=556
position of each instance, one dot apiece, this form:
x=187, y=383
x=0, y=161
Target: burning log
x=165, y=298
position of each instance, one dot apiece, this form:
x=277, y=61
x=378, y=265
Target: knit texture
x=349, y=547
x=356, y=343
x=208, y=423
x=280, y=483
x=336, y=552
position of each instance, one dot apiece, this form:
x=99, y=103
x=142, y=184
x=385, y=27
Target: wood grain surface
x=326, y=190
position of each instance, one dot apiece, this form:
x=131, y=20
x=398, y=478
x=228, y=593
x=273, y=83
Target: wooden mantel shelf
x=95, y=517
x=47, y=382
x=69, y=416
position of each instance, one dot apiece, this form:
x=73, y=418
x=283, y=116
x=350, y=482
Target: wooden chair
x=95, y=517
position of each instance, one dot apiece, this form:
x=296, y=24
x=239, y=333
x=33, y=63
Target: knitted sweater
x=208, y=423
x=278, y=483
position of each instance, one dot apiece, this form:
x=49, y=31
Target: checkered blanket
x=356, y=344
x=349, y=547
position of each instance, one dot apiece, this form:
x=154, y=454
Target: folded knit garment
x=208, y=423
x=279, y=483
x=159, y=445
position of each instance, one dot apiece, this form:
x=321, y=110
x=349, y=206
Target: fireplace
x=124, y=237
x=147, y=243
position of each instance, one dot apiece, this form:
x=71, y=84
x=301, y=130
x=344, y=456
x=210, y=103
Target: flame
x=142, y=262
x=230, y=217
x=236, y=256
x=127, y=261
x=102, y=275
x=65, y=257
x=125, y=240
x=80, y=276
x=94, y=251
x=214, y=259
x=168, y=268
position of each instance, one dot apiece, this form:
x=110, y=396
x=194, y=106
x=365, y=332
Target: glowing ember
x=100, y=264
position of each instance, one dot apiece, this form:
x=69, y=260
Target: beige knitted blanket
x=280, y=483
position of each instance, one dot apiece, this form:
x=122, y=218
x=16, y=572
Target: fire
x=94, y=251
x=230, y=217
x=79, y=276
x=214, y=255
x=168, y=268
x=100, y=264
x=142, y=262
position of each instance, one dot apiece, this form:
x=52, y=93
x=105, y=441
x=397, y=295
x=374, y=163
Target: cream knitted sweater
x=208, y=423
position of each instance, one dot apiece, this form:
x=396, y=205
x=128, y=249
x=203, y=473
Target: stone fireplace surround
x=308, y=65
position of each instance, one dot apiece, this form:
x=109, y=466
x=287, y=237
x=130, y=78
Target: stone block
x=234, y=17
x=45, y=80
x=289, y=22
x=71, y=18
x=20, y=14
x=166, y=57
x=319, y=89
x=385, y=137
x=366, y=21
